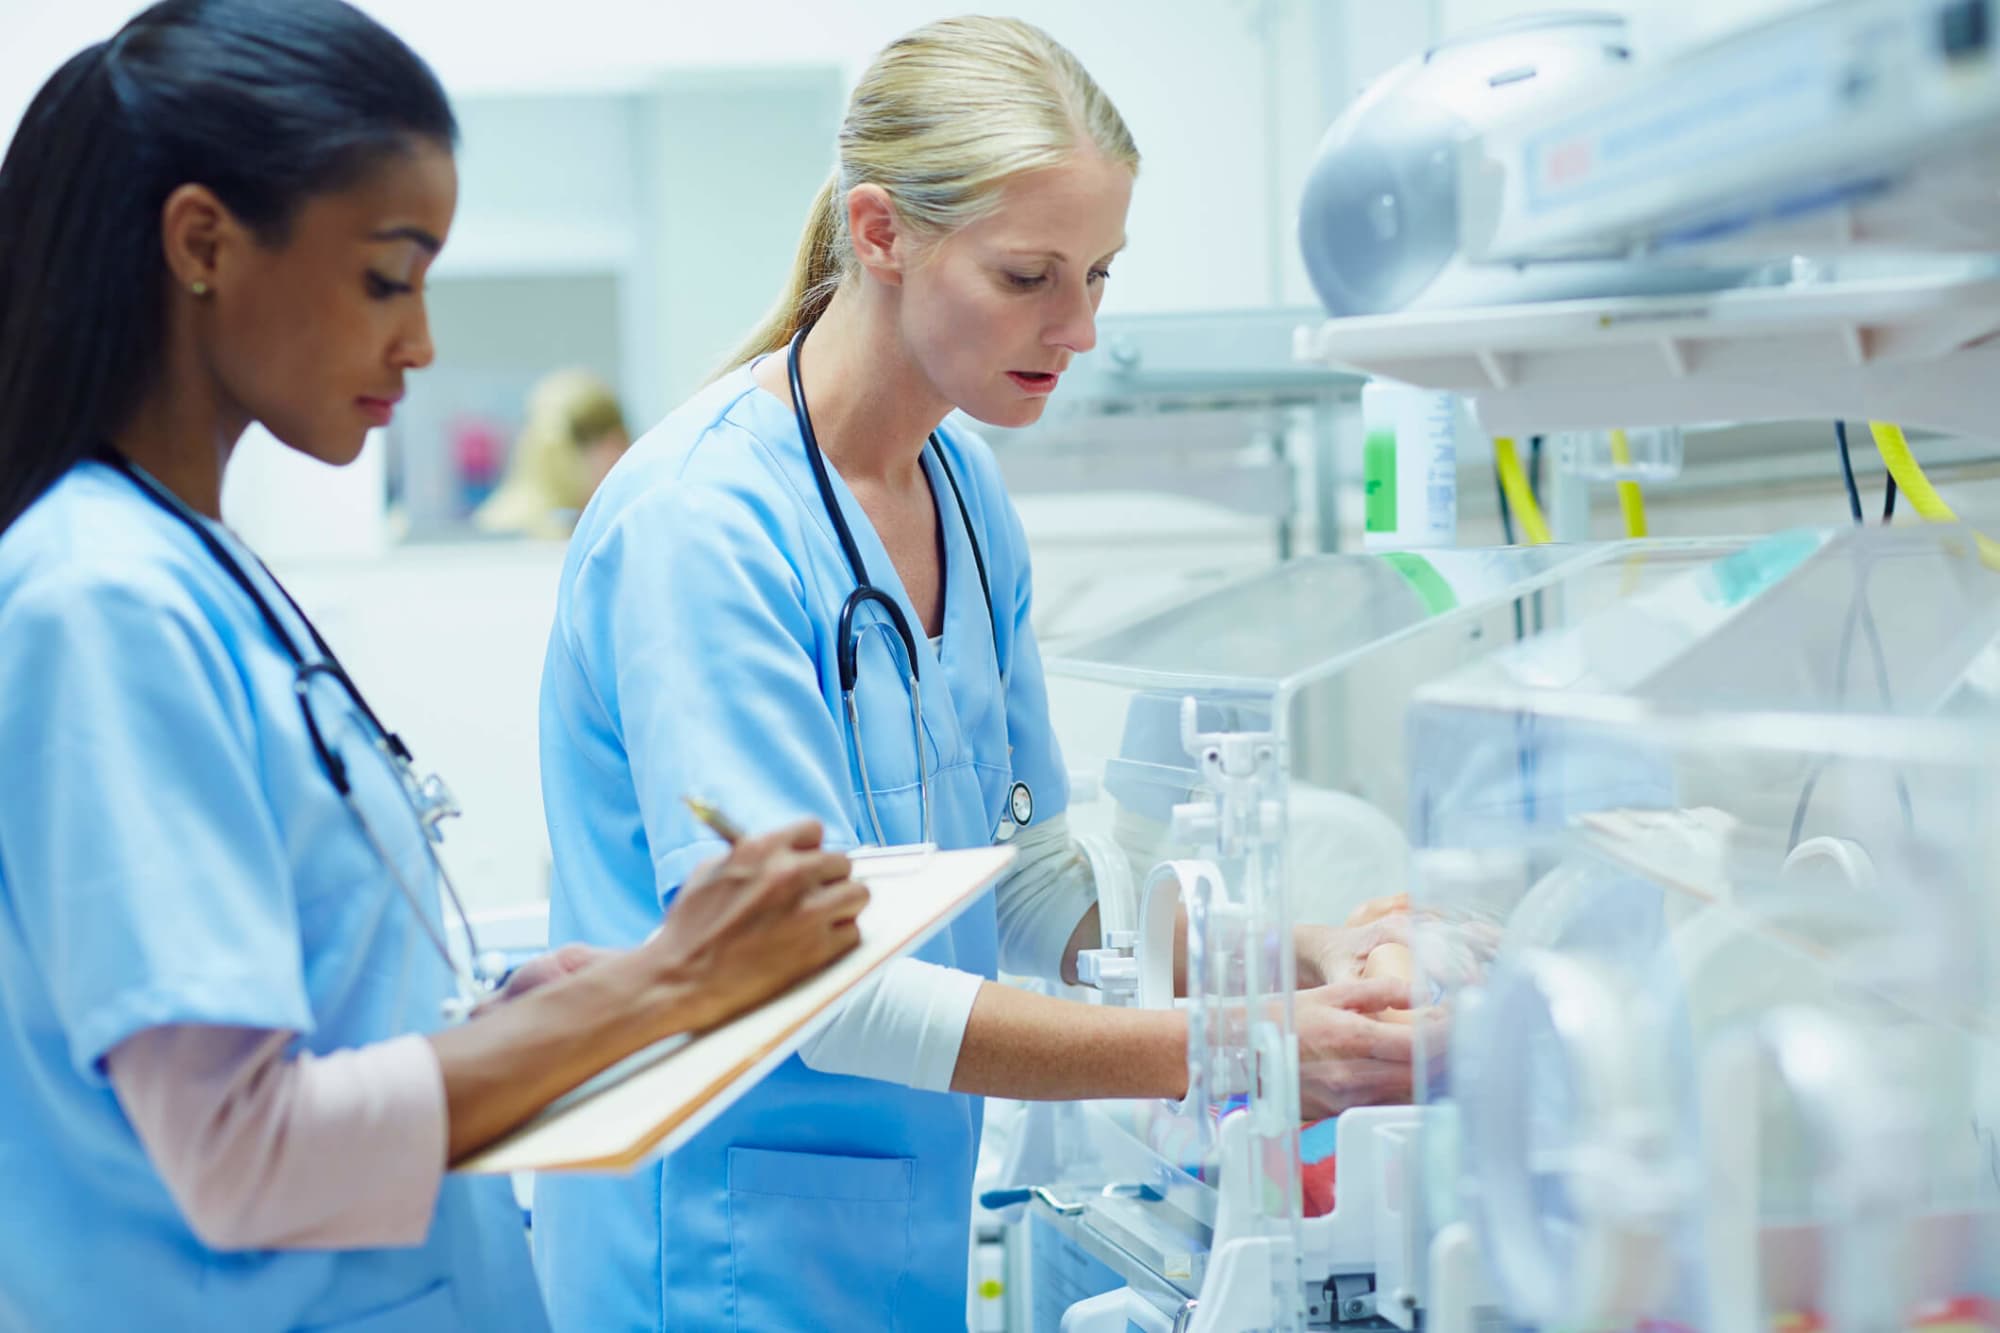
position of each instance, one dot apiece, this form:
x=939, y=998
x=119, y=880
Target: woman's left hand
x=544, y=968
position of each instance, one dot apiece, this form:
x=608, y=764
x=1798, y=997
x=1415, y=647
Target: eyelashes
x=381, y=288
x=1028, y=282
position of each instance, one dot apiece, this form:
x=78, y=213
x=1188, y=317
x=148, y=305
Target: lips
x=1034, y=381
x=379, y=410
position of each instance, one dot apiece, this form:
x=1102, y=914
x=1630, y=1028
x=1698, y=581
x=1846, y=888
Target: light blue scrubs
x=171, y=852
x=694, y=651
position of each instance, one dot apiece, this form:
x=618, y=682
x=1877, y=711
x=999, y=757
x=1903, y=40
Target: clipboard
x=656, y=1099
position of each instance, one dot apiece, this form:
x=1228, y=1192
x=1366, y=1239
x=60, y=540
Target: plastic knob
x=1195, y=822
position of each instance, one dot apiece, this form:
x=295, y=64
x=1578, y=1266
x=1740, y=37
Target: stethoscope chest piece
x=1019, y=814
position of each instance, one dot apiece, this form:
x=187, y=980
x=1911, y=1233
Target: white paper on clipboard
x=646, y=1105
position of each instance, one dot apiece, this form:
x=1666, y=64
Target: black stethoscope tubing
x=331, y=764
x=1020, y=801
x=328, y=664
x=865, y=592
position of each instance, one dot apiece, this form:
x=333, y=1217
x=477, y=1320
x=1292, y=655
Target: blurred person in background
x=574, y=432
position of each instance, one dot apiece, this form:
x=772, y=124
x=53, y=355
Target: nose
x=413, y=349
x=1075, y=325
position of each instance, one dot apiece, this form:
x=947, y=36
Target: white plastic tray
x=1920, y=349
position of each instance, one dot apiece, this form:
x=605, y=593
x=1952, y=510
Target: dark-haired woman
x=228, y=1094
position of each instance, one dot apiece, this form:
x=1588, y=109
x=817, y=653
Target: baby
x=1390, y=960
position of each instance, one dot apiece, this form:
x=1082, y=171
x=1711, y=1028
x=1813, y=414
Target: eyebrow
x=417, y=234
x=1062, y=258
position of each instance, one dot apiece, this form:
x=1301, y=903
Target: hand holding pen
x=802, y=839
x=772, y=911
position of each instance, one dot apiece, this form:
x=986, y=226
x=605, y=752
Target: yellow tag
x=990, y=1289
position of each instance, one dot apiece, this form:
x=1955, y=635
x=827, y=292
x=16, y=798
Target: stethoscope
x=1020, y=800
x=430, y=800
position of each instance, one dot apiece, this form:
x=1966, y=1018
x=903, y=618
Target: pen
x=723, y=826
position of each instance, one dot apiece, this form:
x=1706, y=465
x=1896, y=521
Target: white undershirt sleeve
x=903, y=1026
x=907, y=1024
x=1045, y=894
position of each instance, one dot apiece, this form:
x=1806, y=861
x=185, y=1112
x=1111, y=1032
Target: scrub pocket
x=817, y=1241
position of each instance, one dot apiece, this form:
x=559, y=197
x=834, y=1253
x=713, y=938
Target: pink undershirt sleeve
x=264, y=1150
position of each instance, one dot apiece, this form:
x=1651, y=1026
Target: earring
x=198, y=287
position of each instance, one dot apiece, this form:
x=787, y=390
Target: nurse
x=955, y=260
x=227, y=1095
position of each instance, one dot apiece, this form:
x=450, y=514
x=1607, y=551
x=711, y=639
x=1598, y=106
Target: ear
x=876, y=233
x=199, y=237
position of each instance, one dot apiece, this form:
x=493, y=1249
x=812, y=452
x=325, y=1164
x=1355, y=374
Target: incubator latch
x=1351, y=1298
x=1114, y=969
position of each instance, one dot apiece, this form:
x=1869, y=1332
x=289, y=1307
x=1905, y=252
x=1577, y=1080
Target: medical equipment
x=1379, y=221
x=1839, y=158
x=1301, y=672
x=1020, y=804
x=1409, y=468
x=1733, y=1064
x=430, y=800
x=1718, y=1076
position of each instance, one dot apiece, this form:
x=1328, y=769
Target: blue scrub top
x=172, y=852
x=694, y=651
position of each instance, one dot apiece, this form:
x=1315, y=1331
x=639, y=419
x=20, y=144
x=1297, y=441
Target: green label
x=1378, y=479
x=1423, y=576
x=1735, y=579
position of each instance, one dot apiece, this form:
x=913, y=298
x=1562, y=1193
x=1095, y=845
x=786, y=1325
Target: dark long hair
x=265, y=102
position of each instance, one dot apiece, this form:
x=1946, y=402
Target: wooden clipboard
x=649, y=1103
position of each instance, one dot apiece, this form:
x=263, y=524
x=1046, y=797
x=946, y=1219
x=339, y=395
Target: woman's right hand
x=773, y=911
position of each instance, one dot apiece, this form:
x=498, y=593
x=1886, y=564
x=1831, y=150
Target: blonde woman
x=804, y=594
x=574, y=432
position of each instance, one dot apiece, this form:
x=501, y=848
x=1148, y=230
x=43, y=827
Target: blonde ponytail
x=942, y=119
x=816, y=272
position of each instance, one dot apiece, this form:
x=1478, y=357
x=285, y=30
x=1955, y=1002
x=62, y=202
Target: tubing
x=1520, y=496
